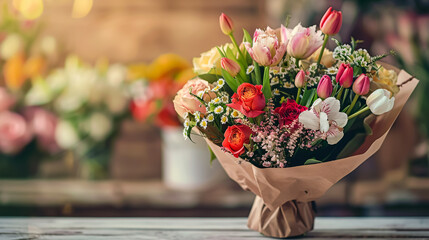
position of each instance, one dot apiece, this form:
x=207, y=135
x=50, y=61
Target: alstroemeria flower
x=269, y=46
x=304, y=41
x=325, y=117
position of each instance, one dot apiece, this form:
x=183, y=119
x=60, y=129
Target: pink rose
x=43, y=125
x=185, y=102
x=14, y=132
x=7, y=100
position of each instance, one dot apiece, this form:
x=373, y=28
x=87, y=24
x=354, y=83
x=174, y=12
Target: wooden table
x=201, y=228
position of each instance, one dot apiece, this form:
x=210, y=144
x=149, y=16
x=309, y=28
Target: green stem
x=359, y=112
x=340, y=92
x=237, y=47
x=298, y=94
x=325, y=41
x=257, y=72
x=353, y=104
x=297, y=62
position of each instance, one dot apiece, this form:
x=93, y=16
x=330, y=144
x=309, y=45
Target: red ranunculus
x=249, y=100
x=289, y=111
x=235, y=138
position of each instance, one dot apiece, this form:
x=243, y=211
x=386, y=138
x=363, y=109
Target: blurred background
x=87, y=126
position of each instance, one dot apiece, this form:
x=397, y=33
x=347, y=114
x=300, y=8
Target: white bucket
x=186, y=165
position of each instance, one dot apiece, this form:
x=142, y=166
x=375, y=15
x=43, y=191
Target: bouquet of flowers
x=27, y=133
x=287, y=118
x=155, y=85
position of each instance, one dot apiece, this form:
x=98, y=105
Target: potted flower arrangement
x=27, y=134
x=153, y=89
x=287, y=118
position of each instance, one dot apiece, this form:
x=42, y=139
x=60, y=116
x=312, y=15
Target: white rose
x=66, y=135
x=57, y=80
x=11, y=46
x=39, y=94
x=69, y=101
x=98, y=126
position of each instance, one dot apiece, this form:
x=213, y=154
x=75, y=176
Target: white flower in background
x=66, y=135
x=11, y=45
x=116, y=75
x=116, y=100
x=69, y=101
x=39, y=93
x=197, y=116
x=49, y=45
x=380, y=101
x=57, y=80
x=218, y=110
x=186, y=123
x=236, y=114
x=325, y=116
x=225, y=99
x=220, y=82
x=216, y=100
x=250, y=69
x=98, y=126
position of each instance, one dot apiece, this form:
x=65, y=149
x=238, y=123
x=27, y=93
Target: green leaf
x=257, y=73
x=229, y=54
x=336, y=41
x=221, y=52
x=307, y=98
x=211, y=78
x=266, y=87
x=232, y=83
x=312, y=161
x=212, y=155
x=247, y=37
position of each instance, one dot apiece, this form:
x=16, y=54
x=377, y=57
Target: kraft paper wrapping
x=279, y=189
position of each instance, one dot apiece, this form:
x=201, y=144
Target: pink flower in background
x=6, y=100
x=43, y=124
x=184, y=102
x=304, y=41
x=15, y=133
x=269, y=46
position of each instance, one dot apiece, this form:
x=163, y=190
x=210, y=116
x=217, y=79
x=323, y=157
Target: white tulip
x=66, y=135
x=98, y=126
x=380, y=101
x=11, y=46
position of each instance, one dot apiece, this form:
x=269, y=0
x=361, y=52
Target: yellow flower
x=13, y=71
x=327, y=58
x=386, y=79
x=209, y=62
x=35, y=67
x=166, y=65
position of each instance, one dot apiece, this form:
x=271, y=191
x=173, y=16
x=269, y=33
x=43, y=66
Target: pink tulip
x=269, y=46
x=43, y=125
x=331, y=22
x=230, y=66
x=361, y=85
x=300, y=79
x=14, y=132
x=226, y=24
x=324, y=89
x=6, y=99
x=345, y=75
x=304, y=42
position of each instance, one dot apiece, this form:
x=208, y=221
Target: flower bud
x=331, y=22
x=380, y=101
x=361, y=85
x=226, y=24
x=345, y=75
x=324, y=89
x=300, y=79
x=230, y=66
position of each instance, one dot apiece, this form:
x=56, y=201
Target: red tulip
x=324, y=89
x=361, y=85
x=345, y=75
x=226, y=24
x=331, y=22
x=230, y=66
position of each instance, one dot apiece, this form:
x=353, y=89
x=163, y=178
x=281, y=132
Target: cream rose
x=209, y=62
x=386, y=79
x=185, y=102
x=327, y=58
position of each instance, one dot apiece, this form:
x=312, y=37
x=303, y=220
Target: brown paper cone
x=278, y=186
x=290, y=219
